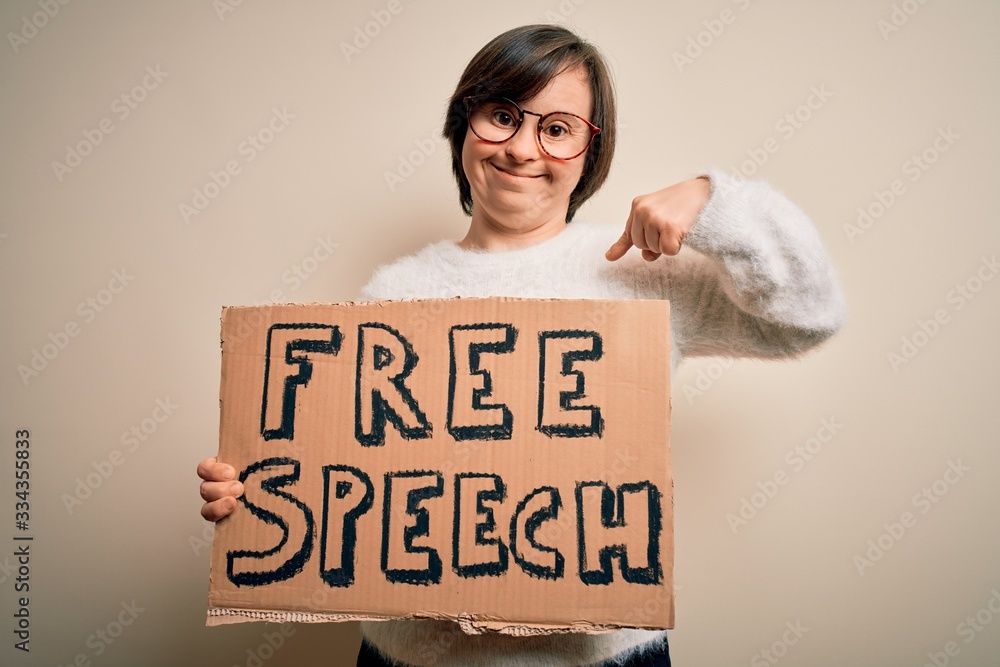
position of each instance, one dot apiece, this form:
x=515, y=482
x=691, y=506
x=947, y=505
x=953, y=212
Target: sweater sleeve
x=761, y=283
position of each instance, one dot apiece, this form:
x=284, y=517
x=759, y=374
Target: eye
x=503, y=118
x=559, y=128
x=555, y=131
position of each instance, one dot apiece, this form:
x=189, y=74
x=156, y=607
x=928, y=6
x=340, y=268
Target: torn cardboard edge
x=470, y=626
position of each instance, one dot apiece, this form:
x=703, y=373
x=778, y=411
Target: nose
x=523, y=146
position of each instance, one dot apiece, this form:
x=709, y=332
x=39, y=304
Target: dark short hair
x=518, y=64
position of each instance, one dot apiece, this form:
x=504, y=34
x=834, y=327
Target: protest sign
x=500, y=462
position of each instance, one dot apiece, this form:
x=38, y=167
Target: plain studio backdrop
x=161, y=160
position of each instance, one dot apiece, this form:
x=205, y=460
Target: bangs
x=520, y=71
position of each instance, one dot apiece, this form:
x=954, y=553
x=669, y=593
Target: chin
x=521, y=217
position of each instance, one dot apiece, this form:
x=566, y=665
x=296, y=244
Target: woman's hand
x=660, y=220
x=219, y=490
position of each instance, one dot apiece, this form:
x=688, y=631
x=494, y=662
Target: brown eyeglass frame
x=472, y=100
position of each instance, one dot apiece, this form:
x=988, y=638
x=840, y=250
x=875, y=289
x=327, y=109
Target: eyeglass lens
x=563, y=135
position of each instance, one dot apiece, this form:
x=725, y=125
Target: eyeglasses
x=562, y=135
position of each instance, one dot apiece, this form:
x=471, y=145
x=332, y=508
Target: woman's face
x=515, y=185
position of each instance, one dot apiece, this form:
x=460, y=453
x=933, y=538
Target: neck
x=488, y=234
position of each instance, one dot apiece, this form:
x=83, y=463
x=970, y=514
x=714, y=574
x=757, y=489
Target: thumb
x=620, y=247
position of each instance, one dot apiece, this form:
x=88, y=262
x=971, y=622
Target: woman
x=532, y=131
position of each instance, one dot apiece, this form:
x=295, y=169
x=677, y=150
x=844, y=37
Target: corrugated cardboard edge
x=376, y=302
x=471, y=626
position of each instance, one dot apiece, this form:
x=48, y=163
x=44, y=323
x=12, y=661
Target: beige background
x=323, y=177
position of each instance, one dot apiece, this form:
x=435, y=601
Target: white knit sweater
x=753, y=280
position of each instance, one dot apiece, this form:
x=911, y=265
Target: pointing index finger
x=622, y=245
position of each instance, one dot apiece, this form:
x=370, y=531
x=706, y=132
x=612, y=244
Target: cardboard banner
x=499, y=462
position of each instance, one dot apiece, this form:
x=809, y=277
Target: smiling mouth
x=510, y=173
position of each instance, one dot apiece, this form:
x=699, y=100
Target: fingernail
x=236, y=489
x=229, y=473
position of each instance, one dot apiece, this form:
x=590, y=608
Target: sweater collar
x=553, y=245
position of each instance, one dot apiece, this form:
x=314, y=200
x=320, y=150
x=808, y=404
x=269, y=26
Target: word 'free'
x=385, y=360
